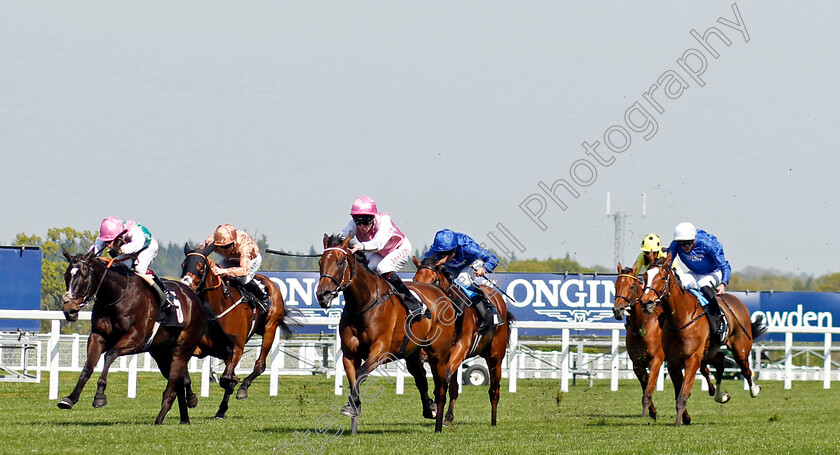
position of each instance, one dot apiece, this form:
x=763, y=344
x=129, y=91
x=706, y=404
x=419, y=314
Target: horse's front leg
x=128, y=344
x=354, y=404
x=229, y=380
x=96, y=344
x=259, y=366
x=653, y=376
x=441, y=375
x=691, y=367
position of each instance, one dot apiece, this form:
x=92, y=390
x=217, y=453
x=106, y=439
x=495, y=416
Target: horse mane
x=627, y=270
x=659, y=262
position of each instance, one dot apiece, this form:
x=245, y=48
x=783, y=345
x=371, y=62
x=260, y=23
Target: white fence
x=308, y=356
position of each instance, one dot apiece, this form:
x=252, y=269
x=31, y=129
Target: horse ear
x=346, y=242
x=187, y=249
x=619, y=267
x=65, y=253
x=669, y=259
x=207, y=249
x=416, y=262
x=90, y=254
x=442, y=261
x=635, y=269
x=326, y=240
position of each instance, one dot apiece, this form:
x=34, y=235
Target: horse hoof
x=241, y=394
x=185, y=422
x=755, y=390
x=219, y=416
x=349, y=411
x=447, y=422
x=723, y=399
x=429, y=413
x=99, y=402
x=192, y=401
x=65, y=404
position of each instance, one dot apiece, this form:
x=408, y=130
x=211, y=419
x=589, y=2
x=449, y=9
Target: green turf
x=537, y=419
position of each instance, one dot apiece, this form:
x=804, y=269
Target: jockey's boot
x=717, y=323
x=483, y=308
x=412, y=306
x=257, y=290
x=162, y=292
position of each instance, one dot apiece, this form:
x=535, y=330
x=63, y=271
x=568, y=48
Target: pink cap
x=364, y=206
x=110, y=228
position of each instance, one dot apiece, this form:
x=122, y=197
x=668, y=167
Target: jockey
x=468, y=262
x=708, y=269
x=240, y=259
x=374, y=232
x=136, y=241
x=650, y=244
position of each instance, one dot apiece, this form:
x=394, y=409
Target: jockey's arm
x=384, y=232
x=134, y=241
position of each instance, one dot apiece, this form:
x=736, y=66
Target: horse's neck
x=113, y=284
x=362, y=287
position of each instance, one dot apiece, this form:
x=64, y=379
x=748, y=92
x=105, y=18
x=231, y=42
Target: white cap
x=685, y=231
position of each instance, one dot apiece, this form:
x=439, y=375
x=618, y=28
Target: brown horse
x=236, y=318
x=373, y=327
x=686, y=337
x=123, y=322
x=490, y=345
x=644, y=335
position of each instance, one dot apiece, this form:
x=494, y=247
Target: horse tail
x=291, y=318
x=509, y=317
x=759, y=328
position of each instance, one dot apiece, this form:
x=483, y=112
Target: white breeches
x=468, y=277
x=691, y=280
x=393, y=261
x=145, y=258
x=255, y=266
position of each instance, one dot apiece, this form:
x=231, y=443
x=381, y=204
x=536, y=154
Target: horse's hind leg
x=494, y=365
x=678, y=380
x=94, y=350
x=192, y=399
x=742, y=358
x=453, y=395
x=719, y=362
x=414, y=364
x=259, y=365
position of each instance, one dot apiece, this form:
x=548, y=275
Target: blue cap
x=444, y=241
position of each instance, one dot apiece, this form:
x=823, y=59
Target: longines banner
x=583, y=298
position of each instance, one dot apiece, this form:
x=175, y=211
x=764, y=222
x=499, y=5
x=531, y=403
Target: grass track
x=537, y=419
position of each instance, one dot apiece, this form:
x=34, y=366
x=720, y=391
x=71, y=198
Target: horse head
x=658, y=280
x=78, y=279
x=195, y=266
x=430, y=270
x=627, y=290
x=337, y=267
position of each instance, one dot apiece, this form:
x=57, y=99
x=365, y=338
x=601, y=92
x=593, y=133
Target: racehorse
x=373, y=327
x=123, y=322
x=686, y=337
x=236, y=318
x=644, y=335
x=491, y=344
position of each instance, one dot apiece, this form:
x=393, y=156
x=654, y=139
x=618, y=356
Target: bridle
x=89, y=296
x=666, y=290
x=636, y=285
x=203, y=280
x=448, y=290
x=340, y=284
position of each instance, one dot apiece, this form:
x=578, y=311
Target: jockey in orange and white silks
x=241, y=260
x=137, y=240
x=375, y=233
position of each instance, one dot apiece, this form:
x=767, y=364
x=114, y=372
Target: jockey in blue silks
x=467, y=262
x=708, y=269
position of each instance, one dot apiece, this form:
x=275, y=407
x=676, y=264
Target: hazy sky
x=273, y=116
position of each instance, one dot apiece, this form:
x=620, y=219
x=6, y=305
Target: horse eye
x=341, y=262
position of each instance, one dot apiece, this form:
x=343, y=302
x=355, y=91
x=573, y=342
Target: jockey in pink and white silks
x=375, y=233
x=137, y=242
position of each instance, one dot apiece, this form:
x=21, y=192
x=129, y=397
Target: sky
x=273, y=116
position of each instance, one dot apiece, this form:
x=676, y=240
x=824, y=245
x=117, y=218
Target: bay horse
x=123, y=322
x=235, y=317
x=373, y=327
x=491, y=344
x=643, y=335
x=686, y=337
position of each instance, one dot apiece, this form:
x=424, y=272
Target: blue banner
x=583, y=298
x=20, y=285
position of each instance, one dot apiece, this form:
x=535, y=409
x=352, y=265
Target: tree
x=828, y=283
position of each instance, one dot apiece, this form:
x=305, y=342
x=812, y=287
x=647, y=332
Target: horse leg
x=453, y=395
x=642, y=375
x=414, y=365
x=192, y=399
x=456, y=358
x=704, y=370
x=494, y=365
x=647, y=399
x=94, y=349
x=719, y=362
x=259, y=366
x=691, y=367
x=742, y=359
x=99, y=398
x=353, y=407
x=228, y=380
x=183, y=406
x=175, y=381
x=677, y=378
x=441, y=375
